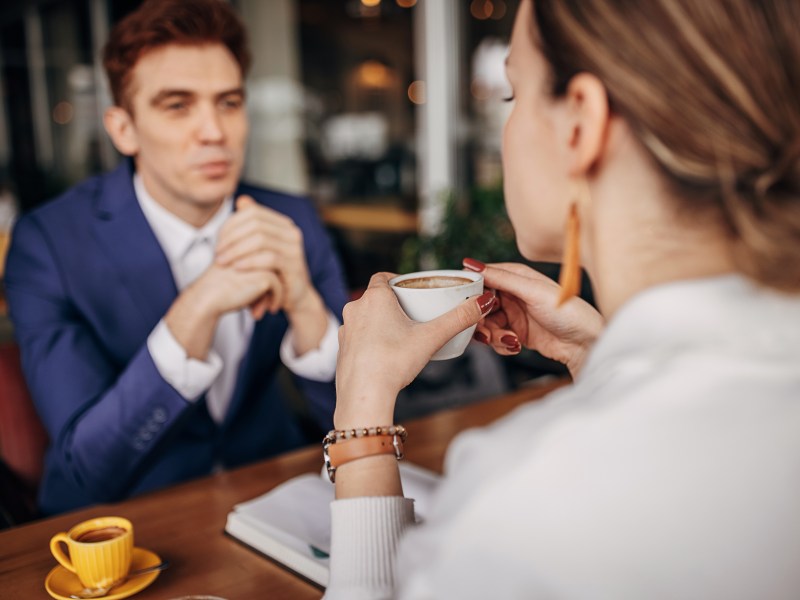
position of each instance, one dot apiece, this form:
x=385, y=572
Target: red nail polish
x=473, y=265
x=480, y=337
x=485, y=302
x=496, y=303
x=510, y=340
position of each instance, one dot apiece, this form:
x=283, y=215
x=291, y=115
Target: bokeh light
x=481, y=9
x=63, y=112
x=416, y=92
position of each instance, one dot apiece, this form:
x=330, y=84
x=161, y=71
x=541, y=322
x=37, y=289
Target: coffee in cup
x=425, y=295
x=103, y=534
x=99, y=551
x=433, y=281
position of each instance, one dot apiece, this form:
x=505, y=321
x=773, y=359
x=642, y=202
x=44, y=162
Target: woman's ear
x=587, y=115
x=122, y=130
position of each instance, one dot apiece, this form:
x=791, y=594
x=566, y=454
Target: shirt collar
x=174, y=234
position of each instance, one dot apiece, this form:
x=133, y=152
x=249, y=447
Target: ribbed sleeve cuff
x=364, y=536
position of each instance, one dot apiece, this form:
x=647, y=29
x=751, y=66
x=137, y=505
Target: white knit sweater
x=670, y=469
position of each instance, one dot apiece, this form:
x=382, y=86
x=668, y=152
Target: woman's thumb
x=465, y=315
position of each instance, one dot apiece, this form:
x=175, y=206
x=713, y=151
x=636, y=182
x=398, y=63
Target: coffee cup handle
x=58, y=552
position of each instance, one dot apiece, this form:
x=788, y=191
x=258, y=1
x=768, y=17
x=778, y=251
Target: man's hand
x=194, y=315
x=221, y=290
x=257, y=239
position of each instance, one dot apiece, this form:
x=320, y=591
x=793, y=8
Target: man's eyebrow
x=164, y=94
x=185, y=94
x=239, y=91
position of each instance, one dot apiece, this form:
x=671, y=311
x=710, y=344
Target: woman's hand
x=528, y=315
x=381, y=351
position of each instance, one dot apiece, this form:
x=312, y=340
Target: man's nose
x=210, y=126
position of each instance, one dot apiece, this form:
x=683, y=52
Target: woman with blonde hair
x=666, y=135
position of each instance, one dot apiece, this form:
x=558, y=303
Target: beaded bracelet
x=341, y=446
x=335, y=435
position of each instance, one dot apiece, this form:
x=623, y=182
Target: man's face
x=189, y=127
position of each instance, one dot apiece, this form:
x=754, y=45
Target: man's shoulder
x=77, y=201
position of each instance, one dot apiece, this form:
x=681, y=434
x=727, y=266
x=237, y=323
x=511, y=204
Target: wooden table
x=184, y=524
x=376, y=218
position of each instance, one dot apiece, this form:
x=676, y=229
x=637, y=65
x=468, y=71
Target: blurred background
x=387, y=113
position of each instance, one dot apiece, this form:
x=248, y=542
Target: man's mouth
x=215, y=168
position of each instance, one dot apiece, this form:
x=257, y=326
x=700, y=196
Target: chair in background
x=23, y=441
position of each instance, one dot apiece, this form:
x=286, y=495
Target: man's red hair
x=158, y=23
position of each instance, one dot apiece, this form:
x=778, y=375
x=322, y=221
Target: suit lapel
x=127, y=240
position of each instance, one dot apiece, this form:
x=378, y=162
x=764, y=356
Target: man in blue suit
x=154, y=304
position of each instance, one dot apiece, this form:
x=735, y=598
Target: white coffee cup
x=425, y=295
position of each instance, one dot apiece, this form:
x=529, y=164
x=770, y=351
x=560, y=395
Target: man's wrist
x=309, y=305
x=192, y=320
x=200, y=302
x=309, y=322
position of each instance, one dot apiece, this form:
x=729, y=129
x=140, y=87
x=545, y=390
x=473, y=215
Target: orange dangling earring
x=569, y=278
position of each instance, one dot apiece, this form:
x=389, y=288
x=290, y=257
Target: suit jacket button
x=160, y=415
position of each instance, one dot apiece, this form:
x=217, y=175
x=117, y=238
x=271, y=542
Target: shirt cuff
x=190, y=377
x=318, y=364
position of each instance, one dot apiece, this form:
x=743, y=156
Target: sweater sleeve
x=365, y=533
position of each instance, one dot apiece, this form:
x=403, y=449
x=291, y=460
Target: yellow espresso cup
x=100, y=550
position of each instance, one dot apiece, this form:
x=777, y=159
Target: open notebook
x=291, y=523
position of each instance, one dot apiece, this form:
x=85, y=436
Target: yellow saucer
x=60, y=582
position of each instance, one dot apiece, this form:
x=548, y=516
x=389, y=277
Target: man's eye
x=232, y=103
x=176, y=106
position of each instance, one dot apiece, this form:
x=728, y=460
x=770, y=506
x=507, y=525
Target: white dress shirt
x=670, y=469
x=190, y=251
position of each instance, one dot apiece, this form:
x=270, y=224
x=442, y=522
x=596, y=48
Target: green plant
x=474, y=225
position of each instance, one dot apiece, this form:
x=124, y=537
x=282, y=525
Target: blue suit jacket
x=86, y=282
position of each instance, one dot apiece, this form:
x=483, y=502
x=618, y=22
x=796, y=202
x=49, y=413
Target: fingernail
x=473, y=265
x=480, y=337
x=496, y=303
x=510, y=341
x=485, y=301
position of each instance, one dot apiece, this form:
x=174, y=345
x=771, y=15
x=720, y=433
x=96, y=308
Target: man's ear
x=122, y=130
x=588, y=120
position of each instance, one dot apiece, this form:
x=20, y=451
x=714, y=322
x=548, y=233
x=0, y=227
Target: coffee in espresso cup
x=100, y=551
x=425, y=295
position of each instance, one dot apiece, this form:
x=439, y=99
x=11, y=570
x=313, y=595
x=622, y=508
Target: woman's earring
x=569, y=277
